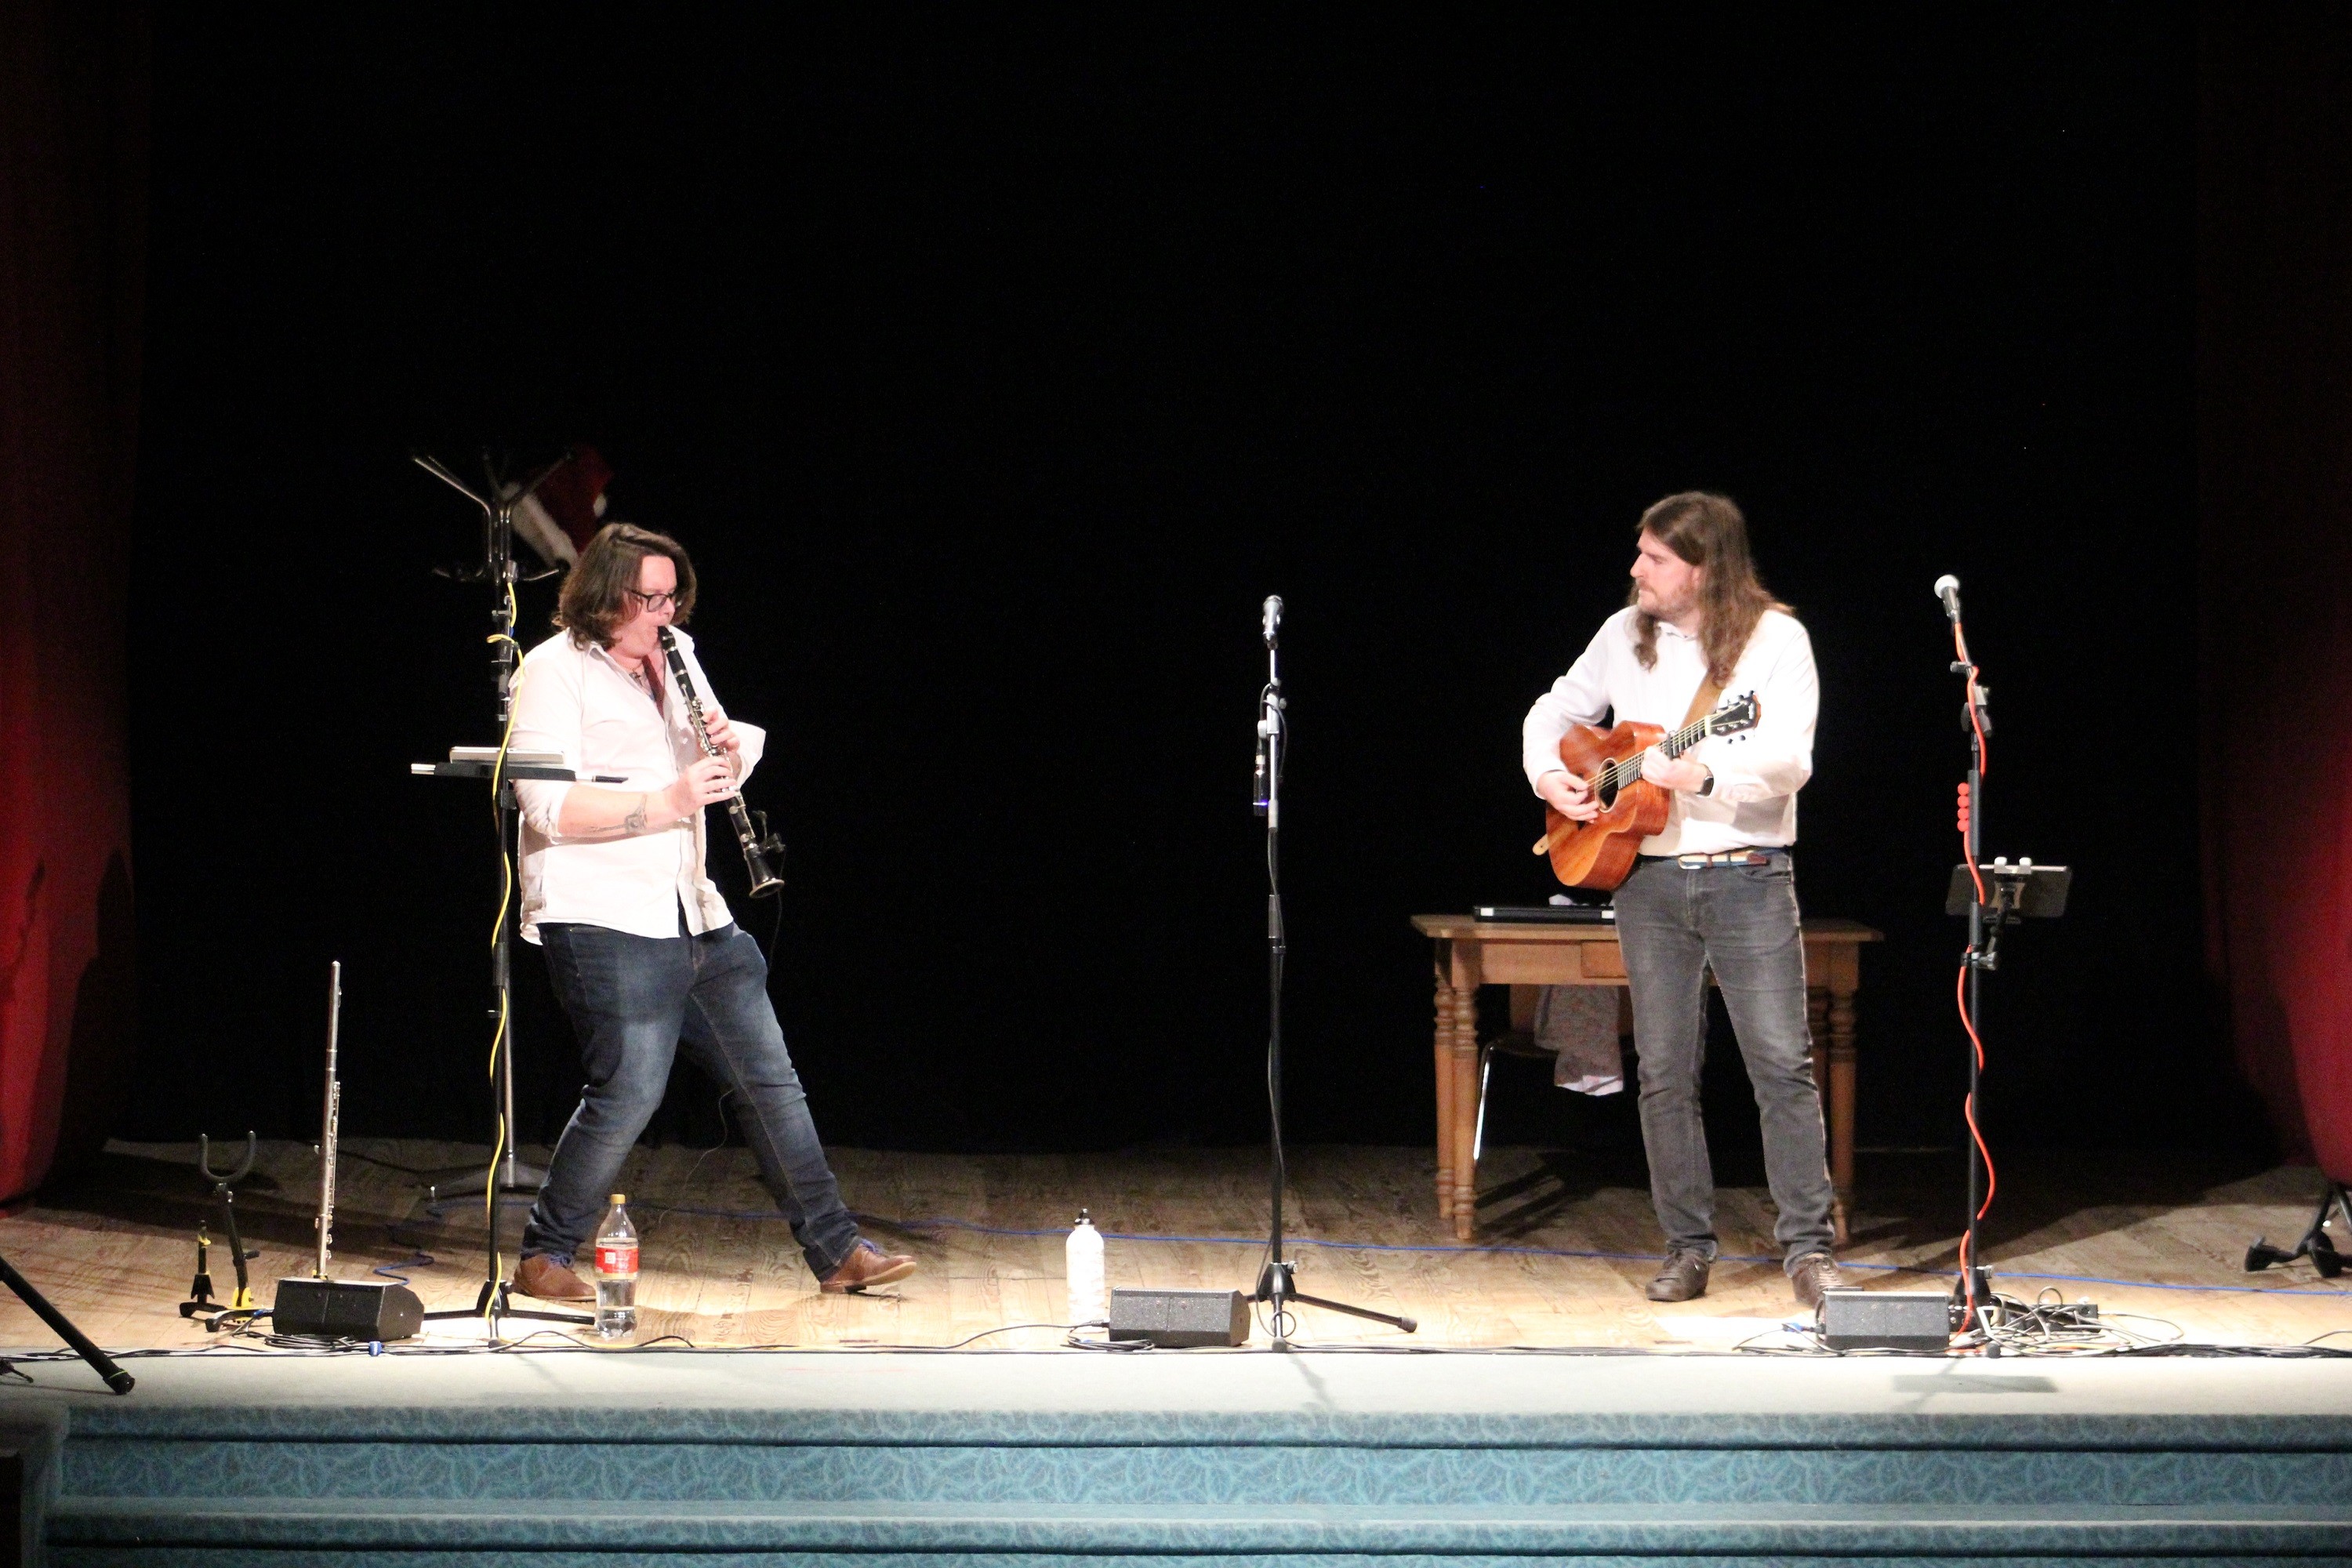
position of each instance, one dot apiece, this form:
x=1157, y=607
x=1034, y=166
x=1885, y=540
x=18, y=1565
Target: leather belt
x=1729, y=857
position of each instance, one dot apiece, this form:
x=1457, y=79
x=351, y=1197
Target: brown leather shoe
x=1812, y=1274
x=1684, y=1278
x=866, y=1264
x=551, y=1280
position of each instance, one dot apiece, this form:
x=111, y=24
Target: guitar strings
x=1675, y=744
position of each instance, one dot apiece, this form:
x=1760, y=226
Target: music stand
x=497, y=568
x=508, y=1174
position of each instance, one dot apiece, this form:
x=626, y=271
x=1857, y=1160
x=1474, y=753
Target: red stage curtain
x=2274, y=502
x=73, y=95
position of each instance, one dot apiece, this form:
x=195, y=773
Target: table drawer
x=1603, y=961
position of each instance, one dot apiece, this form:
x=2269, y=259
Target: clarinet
x=751, y=827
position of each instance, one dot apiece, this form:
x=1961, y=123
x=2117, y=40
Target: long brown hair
x=596, y=595
x=1708, y=529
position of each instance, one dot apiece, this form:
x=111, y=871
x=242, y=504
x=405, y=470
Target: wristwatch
x=1708, y=788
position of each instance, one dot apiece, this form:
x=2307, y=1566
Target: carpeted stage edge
x=1466, y=1457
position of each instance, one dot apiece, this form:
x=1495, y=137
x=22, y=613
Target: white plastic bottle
x=616, y=1272
x=1089, y=1296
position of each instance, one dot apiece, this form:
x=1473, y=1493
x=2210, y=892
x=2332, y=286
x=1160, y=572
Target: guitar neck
x=1617, y=775
x=1684, y=739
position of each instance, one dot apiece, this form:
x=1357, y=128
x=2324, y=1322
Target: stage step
x=1212, y=1459
x=104, y=1531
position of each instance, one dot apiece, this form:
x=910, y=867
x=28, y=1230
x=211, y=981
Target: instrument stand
x=240, y=1308
x=508, y=1174
x=1276, y=1282
x=2316, y=1243
x=62, y=1326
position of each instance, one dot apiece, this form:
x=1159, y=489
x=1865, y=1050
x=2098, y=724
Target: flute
x=750, y=833
x=331, y=1123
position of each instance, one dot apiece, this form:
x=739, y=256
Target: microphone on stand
x=1262, y=778
x=1947, y=588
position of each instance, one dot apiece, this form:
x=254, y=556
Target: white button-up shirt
x=1757, y=771
x=579, y=703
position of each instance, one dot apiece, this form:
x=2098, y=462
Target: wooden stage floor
x=1565, y=1247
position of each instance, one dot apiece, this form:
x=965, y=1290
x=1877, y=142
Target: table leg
x=1841, y=1100
x=1444, y=1097
x=1466, y=1110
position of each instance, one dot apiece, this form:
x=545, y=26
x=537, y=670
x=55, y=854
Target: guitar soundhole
x=1605, y=790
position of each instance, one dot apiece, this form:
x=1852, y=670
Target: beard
x=1659, y=607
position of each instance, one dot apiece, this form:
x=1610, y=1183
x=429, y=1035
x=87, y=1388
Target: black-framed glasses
x=653, y=602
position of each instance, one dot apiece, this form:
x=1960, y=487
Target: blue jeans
x=1741, y=921
x=632, y=999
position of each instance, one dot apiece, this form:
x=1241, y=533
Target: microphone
x=1947, y=588
x=1261, y=777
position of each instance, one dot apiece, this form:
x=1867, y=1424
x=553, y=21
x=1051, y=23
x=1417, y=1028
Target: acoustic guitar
x=1599, y=853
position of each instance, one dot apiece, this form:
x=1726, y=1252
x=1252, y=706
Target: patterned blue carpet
x=676, y=1456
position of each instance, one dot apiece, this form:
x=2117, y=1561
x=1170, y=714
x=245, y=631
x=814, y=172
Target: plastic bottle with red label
x=616, y=1272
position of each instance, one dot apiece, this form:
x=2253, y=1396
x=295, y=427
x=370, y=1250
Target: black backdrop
x=995, y=371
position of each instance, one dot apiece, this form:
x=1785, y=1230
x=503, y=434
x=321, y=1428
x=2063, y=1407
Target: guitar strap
x=1710, y=693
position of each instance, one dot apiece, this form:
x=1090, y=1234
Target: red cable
x=1960, y=988
x=1984, y=756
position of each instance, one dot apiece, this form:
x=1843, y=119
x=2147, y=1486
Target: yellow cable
x=498, y=1038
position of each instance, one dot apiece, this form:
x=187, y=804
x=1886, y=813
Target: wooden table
x=1471, y=953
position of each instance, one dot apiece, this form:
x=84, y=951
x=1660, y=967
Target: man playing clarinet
x=641, y=946
x=1717, y=888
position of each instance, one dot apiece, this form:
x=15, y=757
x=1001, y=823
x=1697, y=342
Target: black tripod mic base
x=1407, y=1324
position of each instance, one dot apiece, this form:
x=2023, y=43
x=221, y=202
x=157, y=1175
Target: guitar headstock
x=1740, y=714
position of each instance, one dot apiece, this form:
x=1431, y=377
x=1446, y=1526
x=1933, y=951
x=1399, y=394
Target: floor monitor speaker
x=1886, y=1320
x=1180, y=1319
x=346, y=1309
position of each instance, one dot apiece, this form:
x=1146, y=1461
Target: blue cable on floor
x=1259, y=1241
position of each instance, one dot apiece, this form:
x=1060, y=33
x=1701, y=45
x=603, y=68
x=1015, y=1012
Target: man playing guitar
x=1717, y=888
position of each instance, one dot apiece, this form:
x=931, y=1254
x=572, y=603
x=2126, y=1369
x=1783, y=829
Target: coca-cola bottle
x=616, y=1272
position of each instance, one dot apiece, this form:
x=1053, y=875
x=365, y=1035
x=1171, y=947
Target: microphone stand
x=1975, y=1285
x=1994, y=896
x=1276, y=1285
x=507, y=1175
